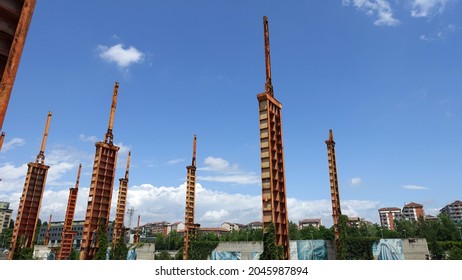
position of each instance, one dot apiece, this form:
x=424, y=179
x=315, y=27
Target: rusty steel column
x=31, y=199
x=274, y=202
x=121, y=205
x=68, y=234
x=189, y=226
x=15, y=18
x=2, y=138
x=335, y=196
x=136, y=237
x=47, y=234
x=101, y=187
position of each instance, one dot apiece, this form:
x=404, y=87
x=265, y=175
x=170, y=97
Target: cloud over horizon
x=224, y=172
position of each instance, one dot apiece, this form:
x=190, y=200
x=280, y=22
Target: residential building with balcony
x=413, y=211
x=453, y=210
x=388, y=215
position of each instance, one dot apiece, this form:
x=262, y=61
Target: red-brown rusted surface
x=15, y=18
x=121, y=205
x=101, y=187
x=31, y=199
x=47, y=234
x=189, y=226
x=68, y=234
x=136, y=238
x=274, y=201
x=335, y=197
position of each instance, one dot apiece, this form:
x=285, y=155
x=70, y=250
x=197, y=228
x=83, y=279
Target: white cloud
x=440, y=34
x=356, y=181
x=212, y=207
x=241, y=179
x=224, y=172
x=13, y=143
x=123, y=150
x=120, y=56
x=380, y=9
x=215, y=216
x=426, y=8
x=414, y=187
x=12, y=177
x=218, y=164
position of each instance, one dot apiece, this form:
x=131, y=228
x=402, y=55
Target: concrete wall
x=246, y=248
x=412, y=249
x=146, y=252
x=415, y=249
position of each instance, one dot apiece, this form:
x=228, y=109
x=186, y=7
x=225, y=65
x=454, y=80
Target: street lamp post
x=404, y=233
x=460, y=234
x=381, y=231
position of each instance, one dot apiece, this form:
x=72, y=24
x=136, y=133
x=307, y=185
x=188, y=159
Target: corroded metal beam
x=68, y=234
x=274, y=202
x=189, y=225
x=15, y=18
x=335, y=196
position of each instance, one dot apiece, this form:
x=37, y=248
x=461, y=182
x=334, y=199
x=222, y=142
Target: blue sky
x=384, y=75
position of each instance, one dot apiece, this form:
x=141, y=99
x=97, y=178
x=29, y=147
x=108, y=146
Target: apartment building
x=56, y=232
x=5, y=215
x=388, y=215
x=413, y=211
x=454, y=211
x=309, y=222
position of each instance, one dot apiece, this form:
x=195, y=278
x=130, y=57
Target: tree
x=294, y=232
x=37, y=231
x=164, y=255
x=120, y=250
x=271, y=251
x=74, y=255
x=5, y=237
x=103, y=243
x=160, y=242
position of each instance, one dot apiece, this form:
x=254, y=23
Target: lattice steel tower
x=68, y=234
x=121, y=205
x=272, y=157
x=101, y=187
x=189, y=226
x=31, y=199
x=335, y=197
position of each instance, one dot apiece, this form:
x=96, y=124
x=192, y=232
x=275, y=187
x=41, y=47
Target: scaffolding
x=31, y=199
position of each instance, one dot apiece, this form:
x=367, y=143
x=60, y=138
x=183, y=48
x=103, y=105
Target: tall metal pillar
x=272, y=158
x=101, y=187
x=68, y=234
x=335, y=196
x=121, y=205
x=15, y=18
x=31, y=199
x=189, y=226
